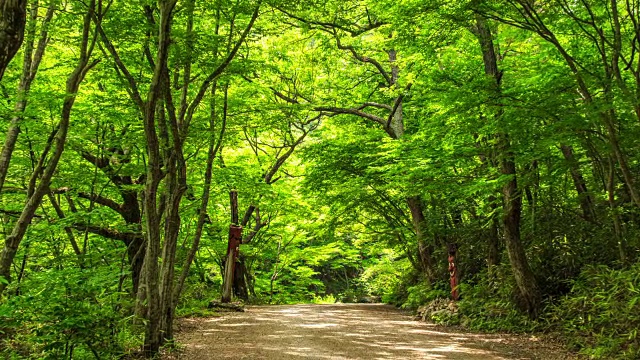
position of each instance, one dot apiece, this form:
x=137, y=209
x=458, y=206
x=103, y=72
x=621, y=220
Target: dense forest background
x=363, y=139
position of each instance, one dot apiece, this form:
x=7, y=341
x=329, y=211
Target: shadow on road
x=340, y=331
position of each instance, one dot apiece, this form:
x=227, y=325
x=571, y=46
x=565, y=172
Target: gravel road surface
x=343, y=331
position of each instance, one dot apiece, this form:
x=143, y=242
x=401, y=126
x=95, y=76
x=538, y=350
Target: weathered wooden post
x=233, y=248
x=453, y=271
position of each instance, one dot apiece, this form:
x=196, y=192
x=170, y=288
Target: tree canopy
x=365, y=140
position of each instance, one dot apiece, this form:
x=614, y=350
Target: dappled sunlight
x=336, y=332
x=431, y=332
x=226, y=331
x=318, y=326
x=290, y=336
x=215, y=319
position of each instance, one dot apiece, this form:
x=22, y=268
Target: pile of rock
x=439, y=311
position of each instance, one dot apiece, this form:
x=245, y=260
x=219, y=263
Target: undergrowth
x=599, y=317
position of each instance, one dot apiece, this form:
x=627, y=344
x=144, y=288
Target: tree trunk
x=30, y=66
x=135, y=255
x=233, y=248
x=13, y=17
x=424, y=249
x=73, y=83
x=511, y=195
x=240, y=280
x=235, y=238
x=512, y=208
x=396, y=120
x=165, y=129
x=157, y=276
x=395, y=129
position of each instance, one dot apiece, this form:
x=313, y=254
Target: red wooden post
x=453, y=271
x=235, y=239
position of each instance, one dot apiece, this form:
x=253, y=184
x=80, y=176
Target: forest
x=360, y=141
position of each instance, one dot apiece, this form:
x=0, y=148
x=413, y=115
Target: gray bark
x=30, y=66
x=165, y=128
x=13, y=17
x=73, y=83
x=425, y=250
x=511, y=194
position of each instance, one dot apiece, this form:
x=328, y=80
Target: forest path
x=343, y=331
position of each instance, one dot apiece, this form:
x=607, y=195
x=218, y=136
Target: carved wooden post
x=233, y=248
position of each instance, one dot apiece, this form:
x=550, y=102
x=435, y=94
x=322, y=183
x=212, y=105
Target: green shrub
x=196, y=297
x=601, y=314
x=423, y=293
x=490, y=305
x=327, y=299
x=388, y=279
x=74, y=313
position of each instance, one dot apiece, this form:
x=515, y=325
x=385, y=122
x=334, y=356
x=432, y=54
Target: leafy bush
x=196, y=297
x=77, y=314
x=422, y=293
x=601, y=314
x=599, y=317
x=327, y=299
x=488, y=305
x=388, y=278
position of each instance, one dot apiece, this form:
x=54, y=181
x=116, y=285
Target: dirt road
x=342, y=331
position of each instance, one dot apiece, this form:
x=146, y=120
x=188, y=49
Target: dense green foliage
x=363, y=138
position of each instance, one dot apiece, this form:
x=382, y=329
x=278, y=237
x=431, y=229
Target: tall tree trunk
x=153, y=334
x=176, y=186
x=511, y=195
x=165, y=129
x=152, y=340
x=396, y=120
x=13, y=17
x=512, y=207
x=73, y=83
x=30, y=66
x=488, y=160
